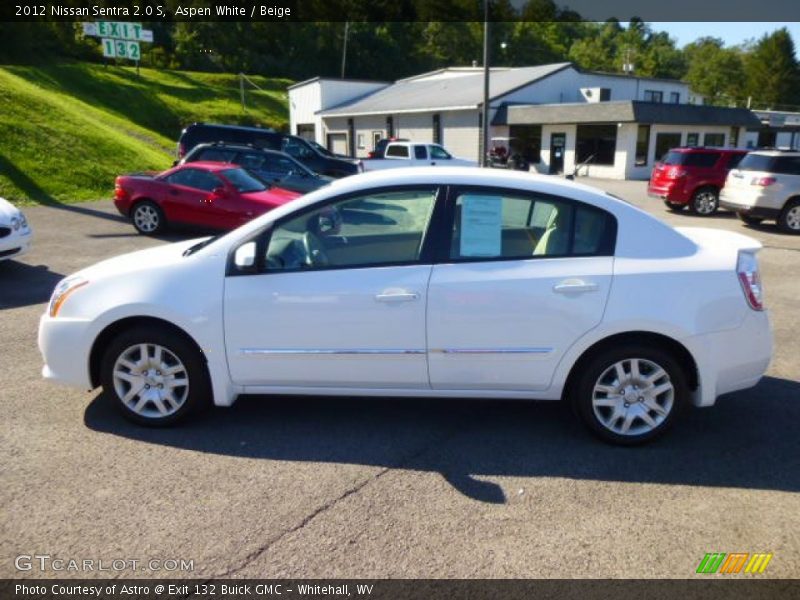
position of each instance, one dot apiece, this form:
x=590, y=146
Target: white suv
x=766, y=185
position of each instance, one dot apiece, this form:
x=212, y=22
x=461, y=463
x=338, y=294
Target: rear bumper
x=674, y=193
x=752, y=211
x=732, y=360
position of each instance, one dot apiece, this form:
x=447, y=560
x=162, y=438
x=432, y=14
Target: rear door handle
x=389, y=296
x=575, y=286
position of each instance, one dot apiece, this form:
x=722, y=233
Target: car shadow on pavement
x=748, y=440
x=22, y=284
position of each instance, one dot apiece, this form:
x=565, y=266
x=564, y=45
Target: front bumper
x=15, y=245
x=65, y=347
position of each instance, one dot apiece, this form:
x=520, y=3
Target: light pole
x=485, y=109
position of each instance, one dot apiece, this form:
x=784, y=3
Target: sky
x=732, y=33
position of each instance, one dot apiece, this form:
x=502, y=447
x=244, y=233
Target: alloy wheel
x=793, y=218
x=150, y=380
x=146, y=218
x=705, y=202
x=633, y=397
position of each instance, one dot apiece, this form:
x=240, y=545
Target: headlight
x=62, y=292
x=19, y=222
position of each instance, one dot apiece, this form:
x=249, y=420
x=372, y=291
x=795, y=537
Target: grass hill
x=67, y=130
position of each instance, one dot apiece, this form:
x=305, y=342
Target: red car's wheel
x=148, y=218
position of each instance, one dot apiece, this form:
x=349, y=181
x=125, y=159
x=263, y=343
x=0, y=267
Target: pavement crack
x=261, y=550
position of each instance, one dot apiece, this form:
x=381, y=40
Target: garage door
x=337, y=143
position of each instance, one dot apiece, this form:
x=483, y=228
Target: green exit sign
x=121, y=49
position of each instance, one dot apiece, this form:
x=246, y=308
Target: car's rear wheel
x=749, y=219
x=154, y=377
x=630, y=395
x=705, y=201
x=148, y=218
x=674, y=206
x=789, y=221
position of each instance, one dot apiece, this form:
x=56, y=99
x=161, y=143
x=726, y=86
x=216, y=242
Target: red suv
x=693, y=177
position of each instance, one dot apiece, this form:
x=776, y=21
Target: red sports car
x=203, y=194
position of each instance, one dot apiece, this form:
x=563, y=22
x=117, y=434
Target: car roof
x=235, y=146
x=238, y=127
x=776, y=152
x=686, y=149
x=208, y=165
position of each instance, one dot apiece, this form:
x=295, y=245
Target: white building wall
x=304, y=101
x=417, y=127
x=461, y=134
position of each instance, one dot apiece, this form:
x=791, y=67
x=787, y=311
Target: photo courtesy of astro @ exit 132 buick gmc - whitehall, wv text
x=426, y=282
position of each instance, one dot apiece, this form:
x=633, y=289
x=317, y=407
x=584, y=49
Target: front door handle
x=575, y=286
x=396, y=296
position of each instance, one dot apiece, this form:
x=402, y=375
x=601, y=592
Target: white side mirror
x=245, y=256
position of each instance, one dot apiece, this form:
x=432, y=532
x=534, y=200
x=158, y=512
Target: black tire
x=748, y=219
x=601, y=366
x=789, y=220
x=674, y=206
x=183, y=401
x=705, y=201
x=148, y=218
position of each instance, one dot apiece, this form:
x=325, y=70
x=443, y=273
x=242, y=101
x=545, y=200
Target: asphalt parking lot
x=310, y=487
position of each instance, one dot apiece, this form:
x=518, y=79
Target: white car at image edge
x=425, y=282
x=15, y=232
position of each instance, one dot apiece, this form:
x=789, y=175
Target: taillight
x=675, y=172
x=119, y=192
x=750, y=278
x=763, y=181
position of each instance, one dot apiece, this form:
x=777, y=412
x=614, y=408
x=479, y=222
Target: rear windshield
x=691, y=159
x=243, y=181
x=756, y=162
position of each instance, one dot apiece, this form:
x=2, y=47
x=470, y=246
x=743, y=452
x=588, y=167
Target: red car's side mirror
x=217, y=194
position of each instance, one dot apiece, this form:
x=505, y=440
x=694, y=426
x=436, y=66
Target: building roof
x=464, y=91
x=624, y=111
x=336, y=79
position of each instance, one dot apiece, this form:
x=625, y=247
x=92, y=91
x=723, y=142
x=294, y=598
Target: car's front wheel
x=154, y=377
x=705, y=201
x=630, y=395
x=148, y=218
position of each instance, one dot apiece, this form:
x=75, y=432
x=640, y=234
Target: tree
x=771, y=70
x=715, y=71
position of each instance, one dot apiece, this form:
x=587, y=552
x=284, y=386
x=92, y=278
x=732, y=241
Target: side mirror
x=220, y=192
x=245, y=256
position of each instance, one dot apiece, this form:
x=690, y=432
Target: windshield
x=756, y=162
x=243, y=181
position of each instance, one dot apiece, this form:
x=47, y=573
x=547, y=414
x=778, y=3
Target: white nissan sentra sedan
x=436, y=282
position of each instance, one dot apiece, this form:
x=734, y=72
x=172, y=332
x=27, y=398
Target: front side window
x=439, y=153
x=251, y=160
x=196, y=179
x=420, y=153
x=297, y=148
x=506, y=226
x=701, y=159
x=378, y=228
x=215, y=155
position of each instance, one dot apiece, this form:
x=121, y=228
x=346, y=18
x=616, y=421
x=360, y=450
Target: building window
x=389, y=127
x=714, y=139
x=360, y=138
x=653, y=96
x=734, y=136
x=437, y=129
x=675, y=97
x=665, y=142
x=596, y=144
x=307, y=131
x=692, y=139
x=527, y=140
x=642, y=145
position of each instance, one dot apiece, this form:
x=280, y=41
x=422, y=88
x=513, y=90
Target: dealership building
x=560, y=117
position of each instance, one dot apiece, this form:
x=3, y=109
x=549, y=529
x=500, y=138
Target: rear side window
x=215, y=154
x=420, y=153
x=734, y=160
x=490, y=225
x=756, y=162
x=700, y=159
x=673, y=158
x=787, y=165
x=397, y=150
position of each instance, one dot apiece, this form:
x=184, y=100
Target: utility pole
x=241, y=91
x=344, y=49
x=485, y=110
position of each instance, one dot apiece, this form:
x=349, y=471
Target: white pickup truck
x=411, y=154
